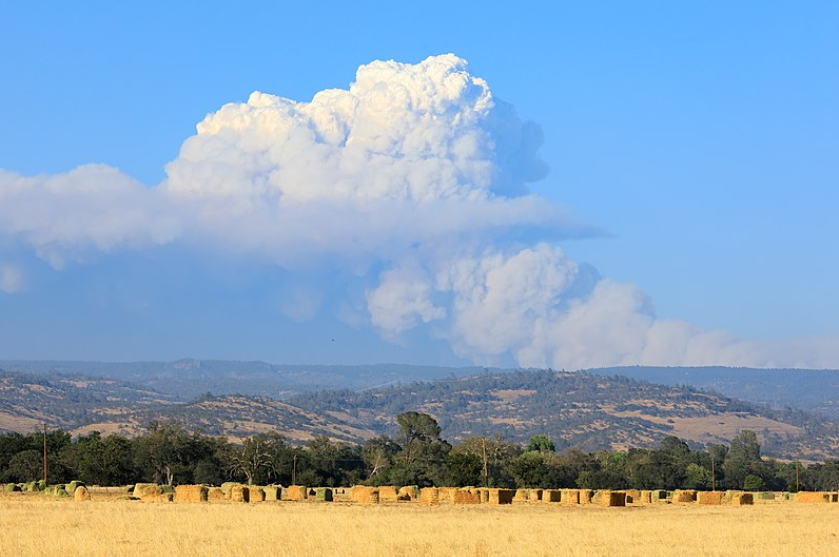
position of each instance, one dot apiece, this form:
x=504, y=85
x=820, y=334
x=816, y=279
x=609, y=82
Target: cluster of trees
x=168, y=453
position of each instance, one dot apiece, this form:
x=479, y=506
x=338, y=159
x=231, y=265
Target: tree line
x=168, y=453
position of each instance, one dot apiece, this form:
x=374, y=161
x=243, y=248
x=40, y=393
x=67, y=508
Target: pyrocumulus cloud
x=415, y=181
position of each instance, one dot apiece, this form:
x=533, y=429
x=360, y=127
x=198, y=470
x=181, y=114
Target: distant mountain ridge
x=811, y=390
x=814, y=390
x=582, y=410
x=575, y=409
x=188, y=378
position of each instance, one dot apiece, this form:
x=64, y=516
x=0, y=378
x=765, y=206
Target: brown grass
x=107, y=526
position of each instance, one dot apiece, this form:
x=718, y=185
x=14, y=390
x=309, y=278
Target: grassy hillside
x=582, y=410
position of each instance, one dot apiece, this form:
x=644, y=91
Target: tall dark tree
x=423, y=454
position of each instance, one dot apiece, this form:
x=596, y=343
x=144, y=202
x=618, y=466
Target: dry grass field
x=31, y=524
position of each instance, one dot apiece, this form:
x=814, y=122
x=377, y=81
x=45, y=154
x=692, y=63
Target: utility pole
x=45, y=454
x=294, y=470
x=486, y=473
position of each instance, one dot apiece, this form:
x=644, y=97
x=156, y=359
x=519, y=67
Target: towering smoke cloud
x=414, y=182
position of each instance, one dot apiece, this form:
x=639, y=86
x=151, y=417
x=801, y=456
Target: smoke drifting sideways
x=414, y=183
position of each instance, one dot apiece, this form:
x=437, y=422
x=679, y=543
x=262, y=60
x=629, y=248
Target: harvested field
x=110, y=526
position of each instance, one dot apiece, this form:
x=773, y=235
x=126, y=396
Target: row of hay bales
x=236, y=492
x=608, y=498
x=229, y=491
x=74, y=489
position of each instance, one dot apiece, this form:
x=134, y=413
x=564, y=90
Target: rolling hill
x=581, y=410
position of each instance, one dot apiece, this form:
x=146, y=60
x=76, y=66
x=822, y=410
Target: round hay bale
x=81, y=493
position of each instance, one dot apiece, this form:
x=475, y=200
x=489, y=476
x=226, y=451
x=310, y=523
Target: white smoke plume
x=413, y=181
x=92, y=209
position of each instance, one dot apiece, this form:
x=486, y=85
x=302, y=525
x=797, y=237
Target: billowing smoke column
x=414, y=180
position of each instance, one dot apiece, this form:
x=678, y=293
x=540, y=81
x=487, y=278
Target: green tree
x=499, y=455
x=528, y=469
x=697, y=477
x=257, y=458
x=743, y=458
x=378, y=456
x=168, y=452
x=754, y=483
x=25, y=466
x=98, y=461
x=464, y=469
x=423, y=454
x=541, y=443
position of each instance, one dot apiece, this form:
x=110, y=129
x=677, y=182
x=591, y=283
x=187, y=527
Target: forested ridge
x=576, y=410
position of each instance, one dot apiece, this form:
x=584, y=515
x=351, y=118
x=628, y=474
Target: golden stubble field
x=35, y=525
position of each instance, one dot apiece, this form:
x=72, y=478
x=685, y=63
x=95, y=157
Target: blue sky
x=692, y=148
